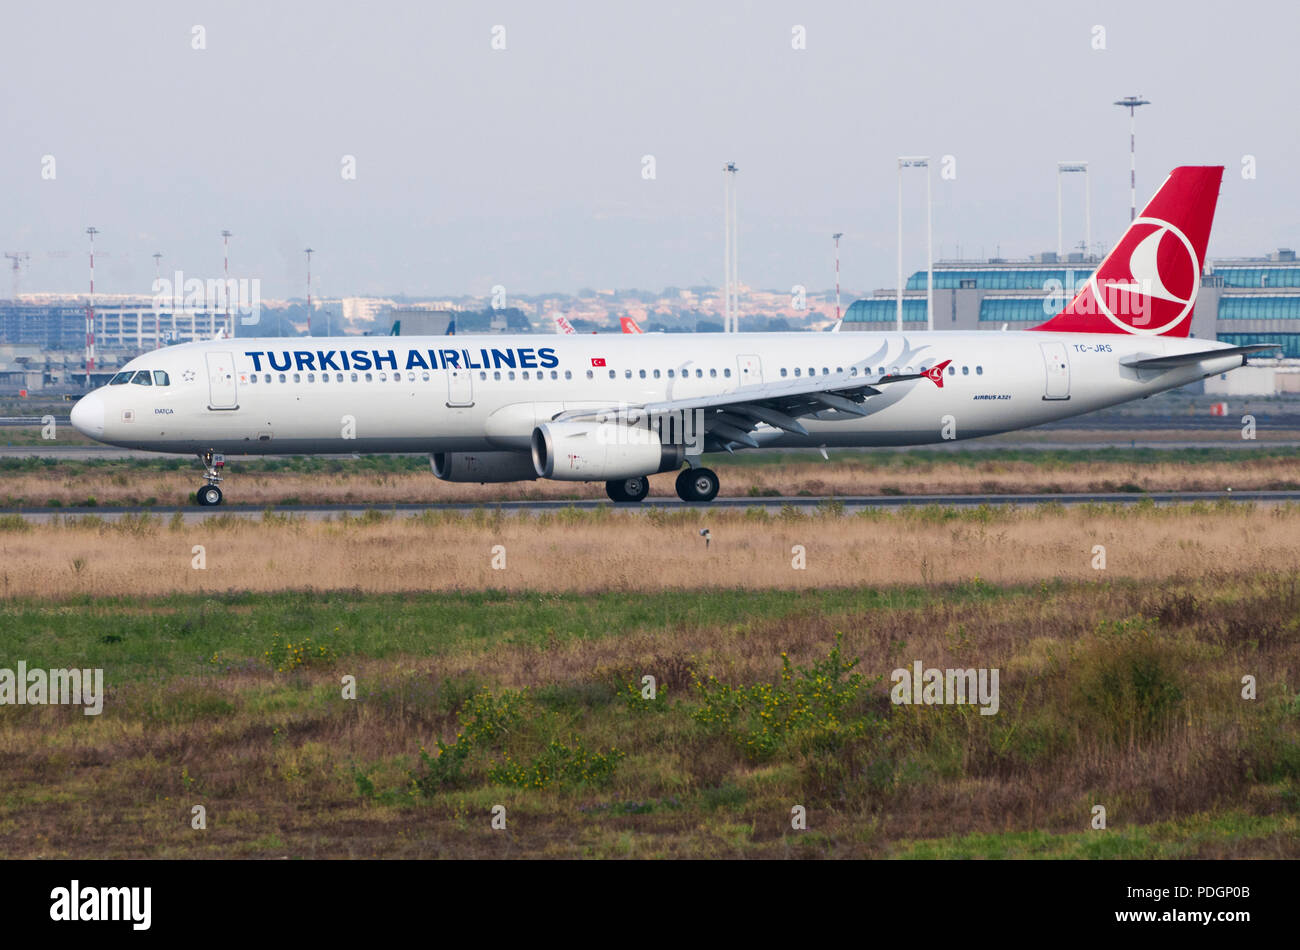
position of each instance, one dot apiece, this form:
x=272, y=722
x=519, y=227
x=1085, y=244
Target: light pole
x=1066, y=168
x=730, y=242
x=837, y=236
x=1131, y=103
x=916, y=162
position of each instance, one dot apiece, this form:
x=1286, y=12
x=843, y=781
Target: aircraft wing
x=1187, y=359
x=730, y=418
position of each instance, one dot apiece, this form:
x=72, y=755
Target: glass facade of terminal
x=1260, y=307
x=1009, y=278
x=1017, y=309
x=885, y=310
x=1257, y=276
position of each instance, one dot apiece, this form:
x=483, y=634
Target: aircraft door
x=222, y=393
x=1056, y=363
x=750, y=369
x=460, y=387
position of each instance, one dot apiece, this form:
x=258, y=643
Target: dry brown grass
x=607, y=550
x=839, y=478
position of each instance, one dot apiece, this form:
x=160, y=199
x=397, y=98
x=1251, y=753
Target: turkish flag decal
x=597, y=361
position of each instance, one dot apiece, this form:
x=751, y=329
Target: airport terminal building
x=1242, y=300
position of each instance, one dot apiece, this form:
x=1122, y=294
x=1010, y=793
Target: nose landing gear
x=209, y=494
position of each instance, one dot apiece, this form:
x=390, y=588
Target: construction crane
x=18, y=257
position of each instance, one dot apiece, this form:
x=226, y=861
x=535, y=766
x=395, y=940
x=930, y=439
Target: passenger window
x=952, y=370
x=383, y=377
x=783, y=373
x=324, y=377
x=554, y=375
x=311, y=377
x=510, y=374
x=826, y=371
x=160, y=378
x=670, y=374
x=590, y=374
x=613, y=375
x=568, y=374
x=699, y=374
x=979, y=370
x=812, y=370
x=656, y=374
x=480, y=376
x=282, y=377
x=627, y=374
x=798, y=371
x=369, y=377
x=713, y=373
x=338, y=377
x=853, y=371
x=525, y=374
x=354, y=377
x=253, y=378
x=965, y=370
x=727, y=373
x=142, y=378
x=297, y=377
x=496, y=374
x=266, y=377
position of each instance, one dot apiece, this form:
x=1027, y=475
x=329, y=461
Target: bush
x=812, y=706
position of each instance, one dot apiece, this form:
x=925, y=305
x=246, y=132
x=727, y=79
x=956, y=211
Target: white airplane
x=620, y=408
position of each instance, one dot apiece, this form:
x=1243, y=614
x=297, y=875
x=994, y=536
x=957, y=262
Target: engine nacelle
x=600, y=452
x=483, y=466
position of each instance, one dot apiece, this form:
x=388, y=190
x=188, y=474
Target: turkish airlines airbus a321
x=619, y=408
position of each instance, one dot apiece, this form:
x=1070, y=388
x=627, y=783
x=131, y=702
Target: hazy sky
x=523, y=166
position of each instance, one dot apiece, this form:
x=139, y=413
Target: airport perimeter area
x=934, y=680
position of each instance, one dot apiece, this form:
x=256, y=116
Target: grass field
x=38, y=482
x=523, y=688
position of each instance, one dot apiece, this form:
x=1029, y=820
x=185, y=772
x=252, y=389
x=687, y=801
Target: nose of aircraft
x=87, y=415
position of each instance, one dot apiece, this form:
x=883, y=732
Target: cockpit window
x=142, y=378
x=160, y=378
x=121, y=378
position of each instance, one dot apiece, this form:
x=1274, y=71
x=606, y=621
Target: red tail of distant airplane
x=629, y=325
x=1147, y=285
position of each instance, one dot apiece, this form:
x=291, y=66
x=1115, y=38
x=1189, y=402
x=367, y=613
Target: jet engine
x=482, y=466
x=596, y=452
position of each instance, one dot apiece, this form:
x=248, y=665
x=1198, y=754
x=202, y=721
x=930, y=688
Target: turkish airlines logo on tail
x=1150, y=282
x=935, y=373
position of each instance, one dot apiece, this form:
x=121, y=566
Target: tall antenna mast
x=230, y=326
x=308, y=252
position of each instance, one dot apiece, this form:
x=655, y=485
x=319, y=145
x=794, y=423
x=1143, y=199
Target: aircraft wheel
x=628, y=489
x=697, y=484
x=208, y=495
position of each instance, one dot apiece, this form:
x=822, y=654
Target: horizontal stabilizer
x=1187, y=359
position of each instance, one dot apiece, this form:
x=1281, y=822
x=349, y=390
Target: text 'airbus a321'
x=620, y=408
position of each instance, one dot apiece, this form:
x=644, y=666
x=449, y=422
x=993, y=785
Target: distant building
x=1246, y=300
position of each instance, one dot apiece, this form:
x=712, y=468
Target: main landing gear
x=693, y=485
x=628, y=489
x=210, y=494
x=697, y=484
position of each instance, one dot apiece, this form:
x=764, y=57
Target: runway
x=773, y=505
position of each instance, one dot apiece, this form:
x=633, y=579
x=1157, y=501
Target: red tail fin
x=1148, y=284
